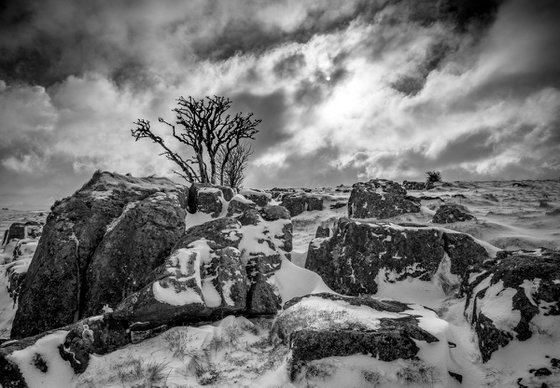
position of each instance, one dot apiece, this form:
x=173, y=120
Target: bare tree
x=433, y=176
x=232, y=171
x=206, y=129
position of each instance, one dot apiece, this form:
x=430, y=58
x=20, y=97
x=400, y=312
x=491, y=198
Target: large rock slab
x=21, y=231
x=515, y=299
x=15, y=231
x=414, y=185
x=380, y=198
x=136, y=243
x=297, y=203
x=320, y=326
x=142, y=254
x=278, y=192
x=208, y=198
x=259, y=197
x=56, y=285
x=359, y=255
x=217, y=268
x=239, y=204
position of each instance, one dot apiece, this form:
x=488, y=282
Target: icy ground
x=237, y=352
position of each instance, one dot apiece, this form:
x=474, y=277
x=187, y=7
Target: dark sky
x=347, y=90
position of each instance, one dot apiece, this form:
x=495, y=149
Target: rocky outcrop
x=15, y=231
x=298, y=203
x=259, y=197
x=120, y=243
x=412, y=185
x=275, y=212
x=208, y=198
x=359, y=255
x=67, y=348
x=515, y=298
x=134, y=244
x=214, y=269
x=239, y=204
x=322, y=231
x=338, y=205
x=21, y=231
x=80, y=231
x=324, y=325
x=380, y=198
x=343, y=189
x=217, y=268
x=278, y=192
x=452, y=212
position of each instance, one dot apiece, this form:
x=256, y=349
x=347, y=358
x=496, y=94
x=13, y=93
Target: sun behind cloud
x=345, y=92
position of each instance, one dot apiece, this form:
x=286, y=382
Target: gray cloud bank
x=346, y=89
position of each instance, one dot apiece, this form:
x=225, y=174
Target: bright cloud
x=345, y=92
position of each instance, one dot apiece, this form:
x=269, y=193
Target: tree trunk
x=212, y=171
x=202, y=167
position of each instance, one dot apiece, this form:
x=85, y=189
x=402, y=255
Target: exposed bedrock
x=137, y=243
x=324, y=325
x=259, y=197
x=121, y=238
x=112, y=222
x=380, y=198
x=217, y=268
x=514, y=299
x=297, y=203
x=452, y=212
x=134, y=262
x=208, y=198
x=22, y=230
x=72, y=343
x=361, y=254
x=414, y=185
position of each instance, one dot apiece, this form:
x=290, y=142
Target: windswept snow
x=57, y=372
x=237, y=352
x=497, y=305
x=293, y=281
x=175, y=297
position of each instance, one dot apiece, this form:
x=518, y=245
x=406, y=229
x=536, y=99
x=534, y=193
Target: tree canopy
x=213, y=138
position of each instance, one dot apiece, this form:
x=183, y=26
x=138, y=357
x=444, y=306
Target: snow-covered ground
x=237, y=352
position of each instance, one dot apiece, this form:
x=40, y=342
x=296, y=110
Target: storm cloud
x=346, y=90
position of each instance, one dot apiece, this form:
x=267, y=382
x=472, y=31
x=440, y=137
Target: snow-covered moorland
x=152, y=284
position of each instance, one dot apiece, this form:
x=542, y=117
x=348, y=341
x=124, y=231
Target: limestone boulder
x=452, y=212
x=320, y=326
x=239, y=204
x=380, y=198
x=134, y=244
x=275, y=212
x=217, y=268
x=208, y=198
x=359, y=255
x=298, y=203
x=413, y=185
x=259, y=197
x=56, y=285
x=66, y=349
x=15, y=231
x=514, y=299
